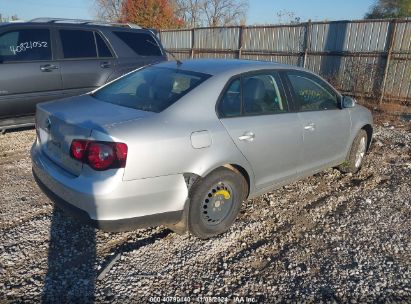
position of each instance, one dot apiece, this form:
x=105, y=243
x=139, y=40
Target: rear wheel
x=356, y=156
x=215, y=202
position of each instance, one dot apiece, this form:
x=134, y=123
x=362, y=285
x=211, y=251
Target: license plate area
x=56, y=139
x=53, y=148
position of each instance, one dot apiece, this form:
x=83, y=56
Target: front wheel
x=357, y=152
x=215, y=202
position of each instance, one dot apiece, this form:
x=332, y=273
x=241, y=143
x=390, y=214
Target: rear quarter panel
x=161, y=145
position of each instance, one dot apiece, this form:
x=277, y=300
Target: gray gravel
x=330, y=237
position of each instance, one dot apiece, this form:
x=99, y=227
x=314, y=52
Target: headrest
x=254, y=89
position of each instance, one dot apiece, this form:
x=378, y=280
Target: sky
x=260, y=11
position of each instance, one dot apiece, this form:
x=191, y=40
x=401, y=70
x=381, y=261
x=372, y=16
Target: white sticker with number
x=25, y=46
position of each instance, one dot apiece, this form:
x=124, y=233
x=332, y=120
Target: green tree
x=389, y=9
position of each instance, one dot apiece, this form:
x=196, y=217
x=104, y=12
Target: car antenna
x=179, y=62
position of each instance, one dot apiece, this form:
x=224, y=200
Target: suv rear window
x=150, y=89
x=142, y=44
x=25, y=45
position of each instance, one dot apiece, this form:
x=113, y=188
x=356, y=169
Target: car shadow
x=17, y=129
x=71, y=261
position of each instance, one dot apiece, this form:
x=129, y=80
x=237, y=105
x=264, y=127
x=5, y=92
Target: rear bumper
x=109, y=203
x=110, y=225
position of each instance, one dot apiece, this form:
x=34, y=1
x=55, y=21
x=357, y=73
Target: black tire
x=203, y=222
x=352, y=164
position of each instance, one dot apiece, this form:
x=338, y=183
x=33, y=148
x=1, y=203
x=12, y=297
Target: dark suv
x=47, y=59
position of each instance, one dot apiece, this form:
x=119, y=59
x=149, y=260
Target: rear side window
x=141, y=43
x=25, y=45
x=151, y=89
x=257, y=94
x=261, y=94
x=78, y=44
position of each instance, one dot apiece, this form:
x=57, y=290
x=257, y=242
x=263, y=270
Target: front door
x=28, y=73
x=325, y=124
x=255, y=113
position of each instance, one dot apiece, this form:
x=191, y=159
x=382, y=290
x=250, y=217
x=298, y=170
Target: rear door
x=255, y=112
x=86, y=60
x=325, y=124
x=28, y=71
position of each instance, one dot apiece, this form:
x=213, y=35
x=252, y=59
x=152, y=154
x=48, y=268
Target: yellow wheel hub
x=224, y=193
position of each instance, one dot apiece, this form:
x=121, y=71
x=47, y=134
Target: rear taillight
x=99, y=155
x=78, y=149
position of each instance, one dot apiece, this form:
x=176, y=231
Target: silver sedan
x=183, y=144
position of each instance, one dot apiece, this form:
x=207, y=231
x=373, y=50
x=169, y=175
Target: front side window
x=78, y=44
x=257, y=94
x=151, y=89
x=25, y=45
x=312, y=94
x=142, y=44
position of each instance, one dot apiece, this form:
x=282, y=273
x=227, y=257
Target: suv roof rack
x=81, y=21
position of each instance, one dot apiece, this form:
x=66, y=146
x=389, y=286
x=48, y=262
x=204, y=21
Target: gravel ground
x=330, y=237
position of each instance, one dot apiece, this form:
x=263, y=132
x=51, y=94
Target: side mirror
x=349, y=102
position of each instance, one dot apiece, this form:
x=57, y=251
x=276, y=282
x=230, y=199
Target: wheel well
x=369, y=130
x=242, y=171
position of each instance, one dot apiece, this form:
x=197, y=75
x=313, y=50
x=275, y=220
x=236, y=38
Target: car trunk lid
x=59, y=122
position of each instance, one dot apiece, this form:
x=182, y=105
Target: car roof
x=220, y=66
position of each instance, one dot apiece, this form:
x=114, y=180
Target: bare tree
x=188, y=11
x=108, y=10
x=224, y=12
x=211, y=12
x=287, y=17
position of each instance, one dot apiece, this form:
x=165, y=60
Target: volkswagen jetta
x=184, y=144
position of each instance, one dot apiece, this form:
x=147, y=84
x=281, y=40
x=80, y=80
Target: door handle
x=105, y=65
x=310, y=127
x=248, y=136
x=48, y=67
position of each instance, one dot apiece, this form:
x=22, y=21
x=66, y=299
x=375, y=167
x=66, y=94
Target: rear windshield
x=151, y=89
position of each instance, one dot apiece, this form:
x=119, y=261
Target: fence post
x=307, y=42
x=192, y=44
x=390, y=42
x=240, y=41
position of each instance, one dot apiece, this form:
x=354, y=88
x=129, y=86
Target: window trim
x=52, y=44
x=108, y=44
x=281, y=87
x=313, y=77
